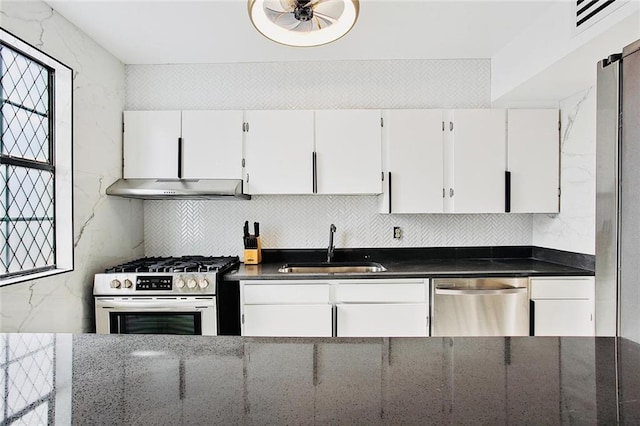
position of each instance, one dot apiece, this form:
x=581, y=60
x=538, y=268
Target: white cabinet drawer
x=374, y=320
x=563, y=318
x=262, y=294
x=381, y=293
x=562, y=288
x=287, y=320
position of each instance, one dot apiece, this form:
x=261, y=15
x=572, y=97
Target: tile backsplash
x=215, y=227
x=205, y=227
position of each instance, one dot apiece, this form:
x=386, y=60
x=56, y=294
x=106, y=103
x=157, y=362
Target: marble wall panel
x=573, y=229
x=106, y=230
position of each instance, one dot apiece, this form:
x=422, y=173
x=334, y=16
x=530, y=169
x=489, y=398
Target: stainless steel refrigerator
x=618, y=195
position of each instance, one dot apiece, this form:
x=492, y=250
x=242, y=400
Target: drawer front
x=562, y=288
x=381, y=293
x=263, y=294
x=563, y=318
x=379, y=320
x=287, y=320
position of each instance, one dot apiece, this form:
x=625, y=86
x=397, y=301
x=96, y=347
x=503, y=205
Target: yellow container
x=253, y=256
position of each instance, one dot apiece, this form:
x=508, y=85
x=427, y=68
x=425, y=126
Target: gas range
x=161, y=295
x=186, y=275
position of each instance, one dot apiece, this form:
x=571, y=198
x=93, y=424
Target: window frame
x=61, y=146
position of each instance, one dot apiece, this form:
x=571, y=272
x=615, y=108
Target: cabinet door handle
x=179, y=158
x=507, y=192
x=389, y=192
x=450, y=192
x=532, y=318
x=247, y=177
x=314, y=168
x=334, y=320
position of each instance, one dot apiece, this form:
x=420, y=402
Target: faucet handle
x=332, y=228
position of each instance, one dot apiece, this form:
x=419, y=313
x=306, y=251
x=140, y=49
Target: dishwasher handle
x=478, y=292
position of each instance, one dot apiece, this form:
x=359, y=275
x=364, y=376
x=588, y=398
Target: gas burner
x=177, y=264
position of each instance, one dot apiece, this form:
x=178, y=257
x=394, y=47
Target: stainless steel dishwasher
x=480, y=307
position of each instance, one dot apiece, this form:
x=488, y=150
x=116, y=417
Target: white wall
x=574, y=228
x=214, y=227
x=106, y=230
x=551, y=59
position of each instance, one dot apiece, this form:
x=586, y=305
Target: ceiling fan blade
x=304, y=26
x=320, y=23
x=288, y=5
x=329, y=8
x=278, y=6
x=325, y=18
x=286, y=20
x=317, y=2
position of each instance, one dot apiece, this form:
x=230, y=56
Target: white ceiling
x=219, y=31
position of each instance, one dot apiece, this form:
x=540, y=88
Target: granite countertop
x=427, y=263
x=190, y=380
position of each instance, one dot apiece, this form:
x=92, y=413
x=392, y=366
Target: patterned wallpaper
x=215, y=227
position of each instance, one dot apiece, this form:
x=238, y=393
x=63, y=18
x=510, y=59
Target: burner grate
x=177, y=264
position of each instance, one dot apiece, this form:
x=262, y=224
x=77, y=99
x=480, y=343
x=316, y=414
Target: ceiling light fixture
x=303, y=23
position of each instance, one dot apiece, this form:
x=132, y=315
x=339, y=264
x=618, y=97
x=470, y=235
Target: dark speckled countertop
x=207, y=380
x=428, y=263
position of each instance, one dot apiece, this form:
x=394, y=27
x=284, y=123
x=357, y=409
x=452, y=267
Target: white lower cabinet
x=287, y=320
x=286, y=308
x=353, y=308
x=382, y=319
x=563, y=306
x=374, y=308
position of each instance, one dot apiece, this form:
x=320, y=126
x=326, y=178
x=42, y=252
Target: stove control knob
x=180, y=283
x=203, y=283
x=127, y=283
x=115, y=284
x=191, y=283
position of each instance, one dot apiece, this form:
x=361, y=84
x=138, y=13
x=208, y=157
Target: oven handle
x=155, y=305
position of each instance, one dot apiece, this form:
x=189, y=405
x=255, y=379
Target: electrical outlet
x=397, y=232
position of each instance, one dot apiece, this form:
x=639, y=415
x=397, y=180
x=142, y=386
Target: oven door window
x=188, y=323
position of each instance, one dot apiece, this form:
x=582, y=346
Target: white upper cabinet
x=212, y=144
x=534, y=160
x=279, y=152
x=414, y=141
x=476, y=161
x=151, y=140
x=349, y=151
x=187, y=144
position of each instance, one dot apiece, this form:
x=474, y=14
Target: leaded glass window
x=27, y=219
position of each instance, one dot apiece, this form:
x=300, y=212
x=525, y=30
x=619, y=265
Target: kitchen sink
x=332, y=268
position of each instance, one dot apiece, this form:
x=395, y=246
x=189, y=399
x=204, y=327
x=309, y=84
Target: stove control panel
x=154, y=283
x=148, y=283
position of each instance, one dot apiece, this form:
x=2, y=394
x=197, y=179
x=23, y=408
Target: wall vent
x=590, y=11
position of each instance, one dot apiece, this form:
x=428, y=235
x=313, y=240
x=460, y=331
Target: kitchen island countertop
x=188, y=380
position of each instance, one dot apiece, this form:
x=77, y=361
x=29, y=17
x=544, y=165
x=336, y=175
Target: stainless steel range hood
x=178, y=189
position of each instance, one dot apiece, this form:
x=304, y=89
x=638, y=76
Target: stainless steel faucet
x=331, y=248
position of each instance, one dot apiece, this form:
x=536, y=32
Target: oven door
x=156, y=315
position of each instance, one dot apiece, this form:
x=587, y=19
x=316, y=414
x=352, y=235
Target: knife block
x=253, y=256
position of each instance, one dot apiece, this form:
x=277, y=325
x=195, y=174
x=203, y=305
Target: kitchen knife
x=256, y=229
x=246, y=228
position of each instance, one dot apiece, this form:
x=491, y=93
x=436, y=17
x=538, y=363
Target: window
x=27, y=363
x=35, y=163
